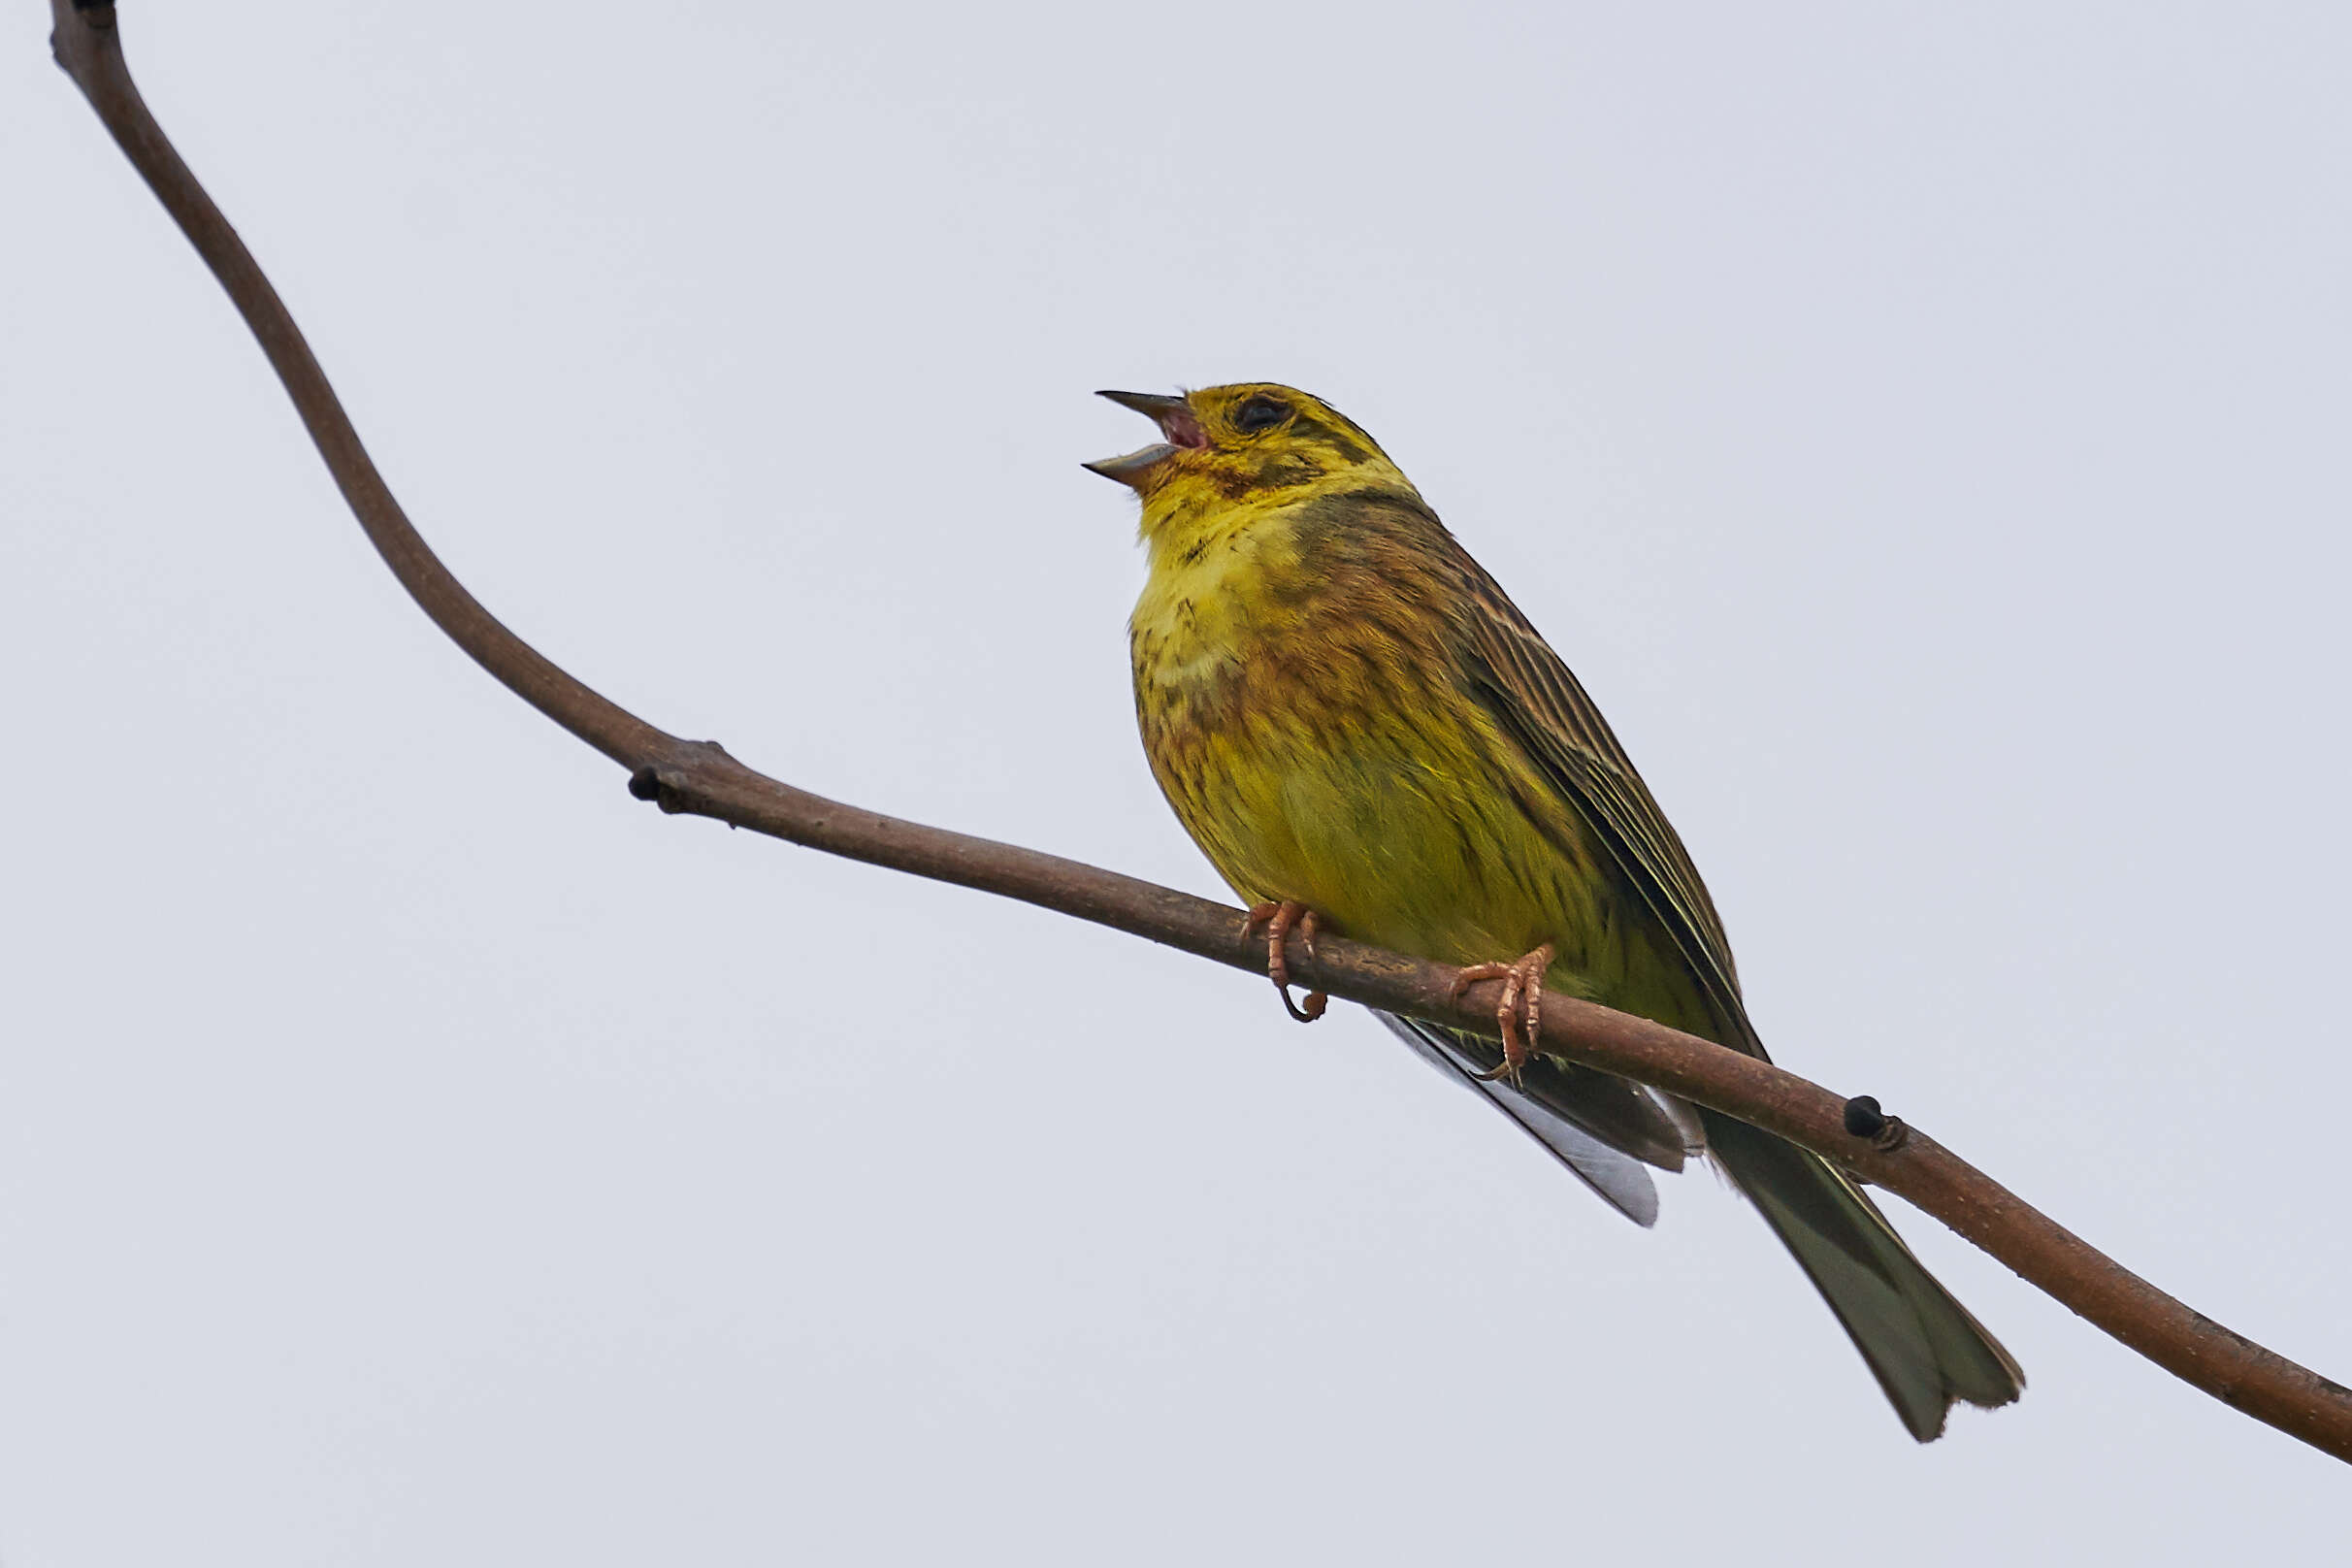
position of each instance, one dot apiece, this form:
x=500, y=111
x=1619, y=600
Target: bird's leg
x=1519, y=1014
x=1280, y=920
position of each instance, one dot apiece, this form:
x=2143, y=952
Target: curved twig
x=700, y=778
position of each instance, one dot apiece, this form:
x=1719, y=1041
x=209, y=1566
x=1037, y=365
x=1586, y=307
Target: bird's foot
x=1519, y=1014
x=1280, y=920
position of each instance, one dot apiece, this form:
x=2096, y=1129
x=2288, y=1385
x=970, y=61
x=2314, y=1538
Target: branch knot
x=669, y=784
x=1865, y=1119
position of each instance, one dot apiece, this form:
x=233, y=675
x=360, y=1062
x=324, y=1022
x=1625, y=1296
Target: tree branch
x=700, y=778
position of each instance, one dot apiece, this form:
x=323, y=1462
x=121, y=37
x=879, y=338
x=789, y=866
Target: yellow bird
x=1358, y=729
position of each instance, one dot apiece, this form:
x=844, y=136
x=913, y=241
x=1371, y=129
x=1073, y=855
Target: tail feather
x=1925, y=1349
x=1594, y=1128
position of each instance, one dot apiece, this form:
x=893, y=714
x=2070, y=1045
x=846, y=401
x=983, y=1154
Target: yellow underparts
x=1314, y=739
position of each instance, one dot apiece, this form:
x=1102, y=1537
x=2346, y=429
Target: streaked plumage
x=1348, y=713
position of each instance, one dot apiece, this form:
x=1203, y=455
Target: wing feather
x=1923, y=1346
x=1540, y=703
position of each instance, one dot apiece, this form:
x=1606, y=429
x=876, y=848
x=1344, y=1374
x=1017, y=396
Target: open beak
x=1179, y=429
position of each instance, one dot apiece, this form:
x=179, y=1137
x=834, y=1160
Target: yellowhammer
x=1358, y=728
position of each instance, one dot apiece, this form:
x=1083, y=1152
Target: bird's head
x=1247, y=444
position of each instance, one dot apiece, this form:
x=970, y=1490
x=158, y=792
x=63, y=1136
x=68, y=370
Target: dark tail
x=1925, y=1349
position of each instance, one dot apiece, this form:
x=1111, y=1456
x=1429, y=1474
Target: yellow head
x=1247, y=448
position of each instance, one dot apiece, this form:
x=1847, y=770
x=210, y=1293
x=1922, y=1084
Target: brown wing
x=1922, y=1344
x=1540, y=704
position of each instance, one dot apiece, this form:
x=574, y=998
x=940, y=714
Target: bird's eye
x=1260, y=413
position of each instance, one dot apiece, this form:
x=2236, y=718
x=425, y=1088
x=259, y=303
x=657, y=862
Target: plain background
x=1924, y=431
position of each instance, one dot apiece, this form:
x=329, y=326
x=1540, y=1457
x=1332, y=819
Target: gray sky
x=1923, y=432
